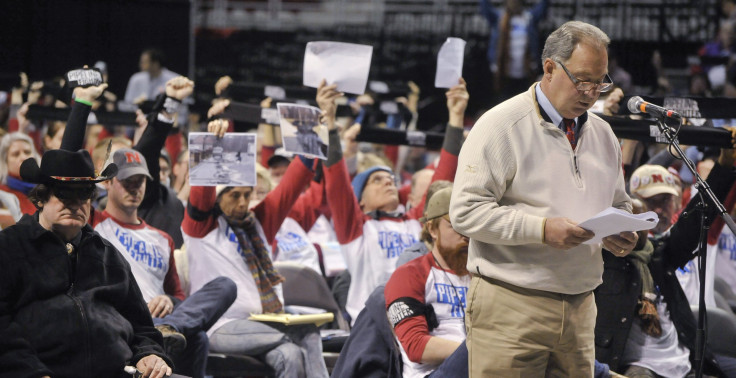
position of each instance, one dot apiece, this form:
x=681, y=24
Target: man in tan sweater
x=532, y=168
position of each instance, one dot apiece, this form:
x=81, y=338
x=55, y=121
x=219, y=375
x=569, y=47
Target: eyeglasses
x=70, y=193
x=584, y=86
x=661, y=200
x=379, y=179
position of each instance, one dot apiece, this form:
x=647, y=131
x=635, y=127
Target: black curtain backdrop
x=46, y=38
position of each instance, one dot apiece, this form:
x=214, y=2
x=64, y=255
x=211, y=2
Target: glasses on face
x=71, y=193
x=379, y=179
x=584, y=86
x=659, y=201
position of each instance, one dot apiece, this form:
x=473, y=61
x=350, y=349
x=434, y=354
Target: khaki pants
x=517, y=332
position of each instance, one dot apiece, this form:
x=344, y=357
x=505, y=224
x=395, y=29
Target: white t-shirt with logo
x=422, y=279
x=294, y=245
x=371, y=258
x=147, y=250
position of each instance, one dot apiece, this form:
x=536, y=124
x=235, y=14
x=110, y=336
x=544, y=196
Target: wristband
x=79, y=100
x=171, y=105
x=165, y=119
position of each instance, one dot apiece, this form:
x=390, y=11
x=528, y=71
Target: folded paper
x=613, y=221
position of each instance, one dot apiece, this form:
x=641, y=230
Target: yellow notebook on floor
x=290, y=319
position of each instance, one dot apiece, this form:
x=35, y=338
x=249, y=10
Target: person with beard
x=425, y=299
x=225, y=238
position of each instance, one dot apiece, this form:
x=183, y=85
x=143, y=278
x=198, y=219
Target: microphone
x=638, y=105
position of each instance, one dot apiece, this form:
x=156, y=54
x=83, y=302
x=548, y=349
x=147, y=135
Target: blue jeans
x=292, y=351
x=193, y=317
x=601, y=370
x=455, y=365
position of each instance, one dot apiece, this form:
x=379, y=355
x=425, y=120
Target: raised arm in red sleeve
x=346, y=213
x=199, y=218
x=306, y=210
x=272, y=211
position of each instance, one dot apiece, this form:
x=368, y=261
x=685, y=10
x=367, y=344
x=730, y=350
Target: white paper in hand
x=613, y=221
x=344, y=64
x=450, y=63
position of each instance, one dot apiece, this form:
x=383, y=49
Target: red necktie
x=570, y=133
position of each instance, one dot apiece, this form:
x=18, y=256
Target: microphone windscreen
x=633, y=104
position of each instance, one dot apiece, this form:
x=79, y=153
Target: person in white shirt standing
x=150, y=82
x=150, y=253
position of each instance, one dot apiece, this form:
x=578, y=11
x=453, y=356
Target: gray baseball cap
x=130, y=162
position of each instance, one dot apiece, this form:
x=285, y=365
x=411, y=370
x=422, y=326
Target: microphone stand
x=704, y=191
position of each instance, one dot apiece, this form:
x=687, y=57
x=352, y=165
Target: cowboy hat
x=61, y=166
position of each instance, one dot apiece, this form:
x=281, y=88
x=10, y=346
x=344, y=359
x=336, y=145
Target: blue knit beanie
x=361, y=178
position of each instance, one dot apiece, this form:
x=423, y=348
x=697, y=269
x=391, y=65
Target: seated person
x=424, y=245
x=371, y=229
x=425, y=299
x=723, y=242
x=225, y=238
x=69, y=304
x=9, y=209
x=150, y=253
x=14, y=149
x=644, y=325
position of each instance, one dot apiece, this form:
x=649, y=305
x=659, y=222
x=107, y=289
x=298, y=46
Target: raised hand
x=218, y=107
x=612, y=102
x=222, y=84
x=179, y=88
x=457, y=102
x=89, y=94
x=326, y=96
x=218, y=127
x=35, y=92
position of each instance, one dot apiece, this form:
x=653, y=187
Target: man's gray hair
x=5, y=143
x=561, y=42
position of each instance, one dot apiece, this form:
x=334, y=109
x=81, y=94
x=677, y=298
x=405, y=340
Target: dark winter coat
x=66, y=319
x=616, y=298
